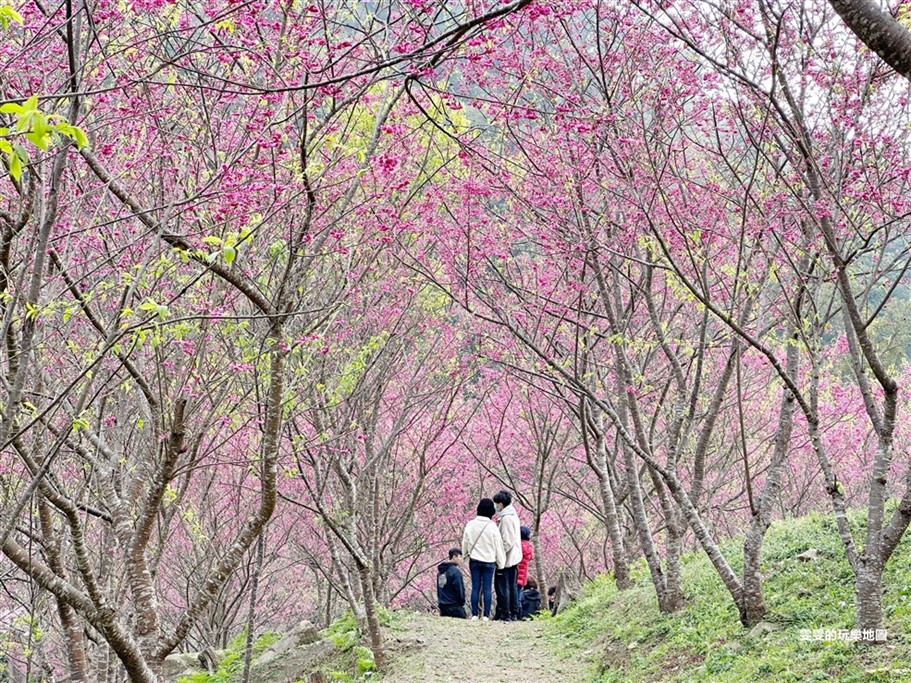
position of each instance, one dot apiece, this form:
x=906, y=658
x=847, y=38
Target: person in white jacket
x=482, y=544
x=508, y=608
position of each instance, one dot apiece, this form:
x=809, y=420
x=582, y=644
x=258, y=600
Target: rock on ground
x=304, y=633
x=458, y=651
x=293, y=665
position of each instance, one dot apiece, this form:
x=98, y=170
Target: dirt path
x=458, y=651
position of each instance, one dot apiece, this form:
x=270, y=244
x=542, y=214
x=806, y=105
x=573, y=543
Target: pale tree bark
x=879, y=31
x=598, y=461
x=374, y=630
x=640, y=517
x=674, y=485
x=626, y=408
x=104, y=618
x=344, y=526
x=753, y=608
x=72, y=628
x=251, y=613
x=667, y=583
x=870, y=562
x=798, y=141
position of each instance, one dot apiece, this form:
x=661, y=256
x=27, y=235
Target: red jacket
x=528, y=553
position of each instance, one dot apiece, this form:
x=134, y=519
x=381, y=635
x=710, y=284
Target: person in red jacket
x=528, y=552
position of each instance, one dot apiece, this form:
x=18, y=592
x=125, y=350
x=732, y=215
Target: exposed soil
x=435, y=649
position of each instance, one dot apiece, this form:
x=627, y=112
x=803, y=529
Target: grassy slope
x=705, y=642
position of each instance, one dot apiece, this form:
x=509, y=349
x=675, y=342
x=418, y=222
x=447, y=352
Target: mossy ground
x=629, y=640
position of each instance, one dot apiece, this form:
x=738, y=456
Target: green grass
x=233, y=661
x=632, y=642
x=353, y=662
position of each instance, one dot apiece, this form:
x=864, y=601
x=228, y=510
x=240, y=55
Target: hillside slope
x=633, y=642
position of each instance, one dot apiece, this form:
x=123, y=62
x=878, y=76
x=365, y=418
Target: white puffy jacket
x=482, y=542
x=512, y=537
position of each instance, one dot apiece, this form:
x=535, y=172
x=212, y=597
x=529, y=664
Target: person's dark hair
x=552, y=590
x=525, y=533
x=504, y=498
x=531, y=583
x=486, y=508
x=455, y=551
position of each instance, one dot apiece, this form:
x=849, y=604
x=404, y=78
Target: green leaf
x=8, y=14
x=15, y=166
x=211, y=239
x=31, y=104
x=25, y=121
x=80, y=423
x=229, y=254
x=276, y=248
x=11, y=108
x=79, y=136
x=38, y=139
x=39, y=124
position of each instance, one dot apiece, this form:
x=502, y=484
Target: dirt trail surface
x=444, y=650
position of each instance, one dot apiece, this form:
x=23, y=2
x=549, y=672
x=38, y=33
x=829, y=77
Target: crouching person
x=531, y=599
x=451, y=587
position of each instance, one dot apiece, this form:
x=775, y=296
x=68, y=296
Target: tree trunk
x=72, y=626
x=869, y=595
x=540, y=575
x=251, y=615
x=75, y=644
x=374, y=631
x=622, y=382
x=879, y=31
x=675, y=529
x=611, y=515
x=343, y=579
x=640, y=521
x=753, y=609
x=637, y=501
x=674, y=598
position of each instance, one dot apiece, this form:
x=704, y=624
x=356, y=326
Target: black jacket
x=531, y=602
x=450, y=587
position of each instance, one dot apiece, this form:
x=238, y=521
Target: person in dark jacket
x=531, y=599
x=451, y=587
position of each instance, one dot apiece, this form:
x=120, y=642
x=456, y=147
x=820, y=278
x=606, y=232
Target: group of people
x=498, y=554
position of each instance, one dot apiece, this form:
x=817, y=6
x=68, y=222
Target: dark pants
x=481, y=579
x=507, y=604
x=457, y=611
